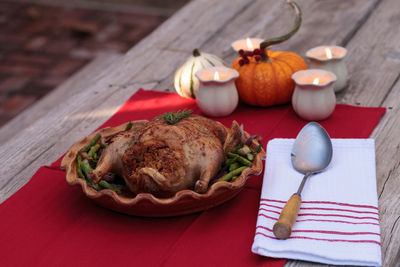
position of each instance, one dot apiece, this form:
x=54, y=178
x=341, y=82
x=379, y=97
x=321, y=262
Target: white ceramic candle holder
x=330, y=58
x=248, y=44
x=313, y=97
x=217, y=95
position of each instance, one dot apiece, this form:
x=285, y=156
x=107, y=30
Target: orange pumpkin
x=266, y=81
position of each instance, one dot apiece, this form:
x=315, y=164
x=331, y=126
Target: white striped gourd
x=186, y=83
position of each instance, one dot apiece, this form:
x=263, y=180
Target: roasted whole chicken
x=162, y=159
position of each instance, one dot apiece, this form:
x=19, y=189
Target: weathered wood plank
x=374, y=57
x=388, y=175
x=82, y=79
x=374, y=65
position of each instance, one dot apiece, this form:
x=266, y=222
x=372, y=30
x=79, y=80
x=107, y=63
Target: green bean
x=78, y=167
x=106, y=185
x=240, y=159
x=227, y=163
x=236, y=148
x=234, y=166
x=86, y=167
x=91, y=143
x=93, y=151
x=128, y=126
x=232, y=174
x=86, y=170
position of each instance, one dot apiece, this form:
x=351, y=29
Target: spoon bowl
x=311, y=153
x=312, y=149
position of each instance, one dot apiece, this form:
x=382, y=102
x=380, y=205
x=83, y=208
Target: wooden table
x=369, y=29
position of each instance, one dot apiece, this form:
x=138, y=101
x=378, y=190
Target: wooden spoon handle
x=283, y=227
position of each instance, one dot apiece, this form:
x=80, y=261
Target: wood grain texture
x=80, y=80
x=283, y=227
x=375, y=72
x=388, y=175
x=374, y=57
x=366, y=27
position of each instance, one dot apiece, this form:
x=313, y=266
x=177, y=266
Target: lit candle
x=248, y=44
x=330, y=58
x=313, y=97
x=217, y=95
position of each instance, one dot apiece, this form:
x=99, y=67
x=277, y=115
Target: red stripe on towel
x=315, y=220
x=329, y=215
x=338, y=215
x=324, y=239
x=312, y=208
x=325, y=202
x=274, y=211
x=325, y=232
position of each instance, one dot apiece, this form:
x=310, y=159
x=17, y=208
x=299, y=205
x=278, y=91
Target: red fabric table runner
x=48, y=223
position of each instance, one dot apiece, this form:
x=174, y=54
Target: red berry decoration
x=246, y=61
x=241, y=52
x=241, y=62
x=257, y=51
x=257, y=58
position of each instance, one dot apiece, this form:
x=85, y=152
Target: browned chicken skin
x=162, y=159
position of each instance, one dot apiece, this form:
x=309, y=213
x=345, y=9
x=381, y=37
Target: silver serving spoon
x=311, y=153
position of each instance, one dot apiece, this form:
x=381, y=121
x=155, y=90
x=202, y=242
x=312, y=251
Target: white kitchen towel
x=338, y=221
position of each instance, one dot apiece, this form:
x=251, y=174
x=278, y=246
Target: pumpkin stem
x=196, y=52
x=265, y=44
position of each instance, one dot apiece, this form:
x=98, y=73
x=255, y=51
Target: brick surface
x=50, y=81
x=28, y=59
x=15, y=104
x=65, y=67
x=13, y=83
x=9, y=42
x=82, y=53
x=57, y=45
x=35, y=27
x=3, y=98
x=20, y=70
x=36, y=43
x=42, y=45
x=110, y=32
x=34, y=90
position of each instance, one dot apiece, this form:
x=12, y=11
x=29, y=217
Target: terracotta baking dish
x=145, y=204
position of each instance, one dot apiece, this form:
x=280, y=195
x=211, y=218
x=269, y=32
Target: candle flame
x=216, y=76
x=328, y=53
x=249, y=43
x=316, y=81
